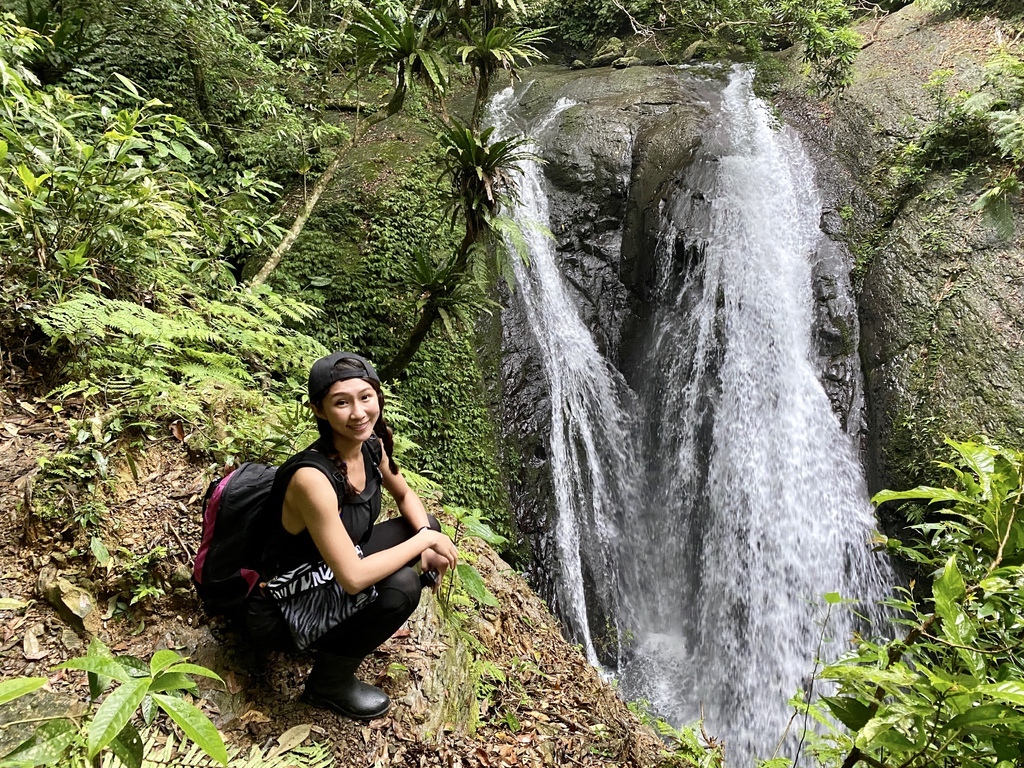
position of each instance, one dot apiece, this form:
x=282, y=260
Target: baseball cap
x=324, y=373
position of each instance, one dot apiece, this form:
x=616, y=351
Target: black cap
x=323, y=373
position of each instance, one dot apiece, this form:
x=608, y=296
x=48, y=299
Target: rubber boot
x=333, y=685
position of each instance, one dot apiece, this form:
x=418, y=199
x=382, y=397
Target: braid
x=325, y=445
x=383, y=431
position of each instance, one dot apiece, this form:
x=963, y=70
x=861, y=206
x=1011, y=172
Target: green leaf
x=149, y=710
x=47, y=746
x=28, y=178
x=100, y=666
x=194, y=669
x=115, y=712
x=195, y=724
x=1010, y=691
x=172, y=681
x=949, y=591
x=852, y=713
x=833, y=598
x=180, y=151
x=99, y=551
x=128, y=747
x=10, y=604
x=986, y=714
x=127, y=84
x=474, y=585
x=3, y=151
x=13, y=689
x=162, y=660
x=97, y=685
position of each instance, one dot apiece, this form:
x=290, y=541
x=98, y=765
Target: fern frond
x=180, y=753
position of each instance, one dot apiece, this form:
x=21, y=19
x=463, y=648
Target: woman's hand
x=432, y=561
x=441, y=547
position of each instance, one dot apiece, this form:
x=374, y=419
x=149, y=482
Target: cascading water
x=712, y=532
x=592, y=461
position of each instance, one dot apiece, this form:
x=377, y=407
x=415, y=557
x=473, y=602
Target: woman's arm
x=408, y=502
x=312, y=495
x=437, y=557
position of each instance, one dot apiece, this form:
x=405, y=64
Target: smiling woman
x=328, y=497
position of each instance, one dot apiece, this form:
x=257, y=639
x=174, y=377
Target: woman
x=334, y=521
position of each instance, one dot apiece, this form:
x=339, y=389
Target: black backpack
x=229, y=560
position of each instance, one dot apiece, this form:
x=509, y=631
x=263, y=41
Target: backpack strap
x=373, y=445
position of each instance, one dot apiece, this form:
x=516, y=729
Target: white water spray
x=592, y=416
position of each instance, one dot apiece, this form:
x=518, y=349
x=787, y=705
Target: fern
x=174, y=754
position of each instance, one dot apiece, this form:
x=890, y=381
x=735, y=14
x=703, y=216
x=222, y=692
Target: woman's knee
x=399, y=592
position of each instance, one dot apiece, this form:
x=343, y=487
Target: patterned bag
x=312, y=601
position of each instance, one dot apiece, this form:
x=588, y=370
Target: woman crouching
x=329, y=501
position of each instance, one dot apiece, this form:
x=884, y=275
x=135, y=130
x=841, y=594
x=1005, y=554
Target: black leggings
x=357, y=636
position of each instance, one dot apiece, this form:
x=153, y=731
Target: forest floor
x=535, y=699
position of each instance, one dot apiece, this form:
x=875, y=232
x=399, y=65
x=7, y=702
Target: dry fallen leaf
x=290, y=739
x=231, y=683
x=254, y=716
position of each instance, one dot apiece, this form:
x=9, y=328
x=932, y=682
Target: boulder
x=608, y=53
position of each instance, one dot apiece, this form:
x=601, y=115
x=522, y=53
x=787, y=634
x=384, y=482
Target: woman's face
x=351, y=408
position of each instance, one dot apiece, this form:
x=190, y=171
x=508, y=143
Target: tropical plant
x=480, y=175
x=141, y=690
x=411, y=47
x=507, y=48
x=950, y=690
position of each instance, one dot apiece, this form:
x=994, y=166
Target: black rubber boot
x=333, y=685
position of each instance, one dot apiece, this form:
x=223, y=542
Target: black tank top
x=358, y=512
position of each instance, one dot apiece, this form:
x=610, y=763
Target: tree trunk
x=408, y=350
x=314, y=197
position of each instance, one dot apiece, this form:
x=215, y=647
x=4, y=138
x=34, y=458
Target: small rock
x=181, y=576
x=578, y=64
x=604, y=60
x=627, y=61
x=47, y=576
x=696, y=49
x=71, y=640
x=75, y=606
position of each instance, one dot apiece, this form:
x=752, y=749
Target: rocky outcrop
x=941, y=296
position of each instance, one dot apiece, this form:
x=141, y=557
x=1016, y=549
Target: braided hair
x=325, y=443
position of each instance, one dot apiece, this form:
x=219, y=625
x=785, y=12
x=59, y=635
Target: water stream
x=712, y=503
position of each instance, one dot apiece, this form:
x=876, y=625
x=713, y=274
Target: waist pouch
x=312, y=601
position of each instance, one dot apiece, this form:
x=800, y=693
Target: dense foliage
x=114, y=264
x=949, y=691
x=821, y=27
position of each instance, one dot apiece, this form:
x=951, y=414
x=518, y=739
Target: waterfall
x=715, y=501
x=592, y=456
